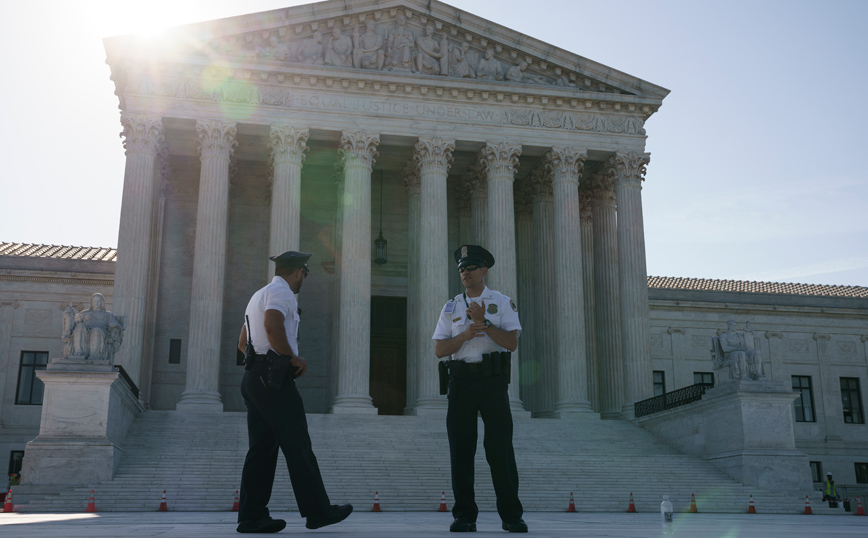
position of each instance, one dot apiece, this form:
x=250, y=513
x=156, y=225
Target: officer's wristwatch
x=487, y=323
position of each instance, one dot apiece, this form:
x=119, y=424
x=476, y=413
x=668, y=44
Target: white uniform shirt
x=275, y=296
x=499, y=310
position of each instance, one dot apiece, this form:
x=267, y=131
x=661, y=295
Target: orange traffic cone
x=443, y=503
x=751, y=509
x=693, y=509
x=808, y=510
x=7, y=506
x=572, y=506
x=860, y=511
x=235, y=504
x=631, y=509
x=163, y=506
x=376, y=502
x=91, y=507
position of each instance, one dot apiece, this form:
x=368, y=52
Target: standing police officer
x=479, y=328
x=275, y=411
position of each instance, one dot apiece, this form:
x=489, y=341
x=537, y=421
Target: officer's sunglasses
x=305, y=270
x=470, y=268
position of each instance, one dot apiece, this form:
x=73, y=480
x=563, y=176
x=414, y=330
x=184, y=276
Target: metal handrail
x=128, y=379
x=670, y=400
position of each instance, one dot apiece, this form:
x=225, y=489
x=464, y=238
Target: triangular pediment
x=389, y=41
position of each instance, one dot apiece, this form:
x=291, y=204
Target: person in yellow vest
x=831, y=491
x=14, y=479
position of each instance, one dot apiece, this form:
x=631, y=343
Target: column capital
x=434, y=153
x=586, y=212
x=565, y=164
x=602, y=188
x=500, y=159
x=141, y=134
x=288, y=143
x=216, y=138
x=360, y=147
x=541, y=184
x=474, y=180
x=412, y=178
x=629, y=168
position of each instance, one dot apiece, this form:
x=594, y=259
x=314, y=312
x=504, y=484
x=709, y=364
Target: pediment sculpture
x=735, y=354
x=395, y=46
x=93, y=333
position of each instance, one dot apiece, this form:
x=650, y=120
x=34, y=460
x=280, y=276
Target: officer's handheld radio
x=249, y=352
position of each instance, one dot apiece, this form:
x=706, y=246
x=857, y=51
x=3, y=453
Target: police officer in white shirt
x=479, y=328
x=275, y=411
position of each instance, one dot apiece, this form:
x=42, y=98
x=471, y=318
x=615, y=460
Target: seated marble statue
x=93, y=333
x=738, y=351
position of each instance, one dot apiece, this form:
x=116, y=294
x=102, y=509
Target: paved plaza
x=415, y=524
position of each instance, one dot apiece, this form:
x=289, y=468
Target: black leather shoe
x=462, y=525
x=264, y=525
x=336, y=513
x=515, y=526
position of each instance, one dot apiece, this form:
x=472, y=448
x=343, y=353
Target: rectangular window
x=659, y=383
x=861, y=473
x=804, y=404
x=851, y=400
x=30, y=388
x=816, y=471
x=15, y=458
x=175, y=351
x=703, y=377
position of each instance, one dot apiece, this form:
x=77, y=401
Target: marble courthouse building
x=321, y=127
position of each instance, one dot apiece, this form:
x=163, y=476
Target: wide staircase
x=197, y=460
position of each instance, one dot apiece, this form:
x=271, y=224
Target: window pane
x=37, y=392
x=41, y=359
x=862, y=473
x=25, y=382
x=26, y=357
x=816, y=471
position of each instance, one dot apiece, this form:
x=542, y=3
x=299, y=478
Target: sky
x=755, y=169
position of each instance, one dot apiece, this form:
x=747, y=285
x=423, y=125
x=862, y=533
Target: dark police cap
x=473, y=255
x=291, y=258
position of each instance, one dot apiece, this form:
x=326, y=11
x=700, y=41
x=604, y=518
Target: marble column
x=565, y=166
x=478, y=187
x=531, y=369
x=633, y=282
x=434, y=156
x=544, y=303
x=586, y=216
x=412, y=182
x=216, y=145
x=501, y=163
x=142, y=138
x=287, y=145
x=608, y=318
x=354, y=337
x=335, y=291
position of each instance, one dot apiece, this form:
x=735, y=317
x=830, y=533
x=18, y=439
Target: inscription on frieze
x=397, y=108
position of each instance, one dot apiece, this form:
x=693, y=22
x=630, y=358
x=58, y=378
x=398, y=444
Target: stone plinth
x=744, y=428
x=86, y=412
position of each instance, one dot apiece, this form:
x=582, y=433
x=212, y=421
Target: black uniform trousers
x=276, y=419
x=469, y=395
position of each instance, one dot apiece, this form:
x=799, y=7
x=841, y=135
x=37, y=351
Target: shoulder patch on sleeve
x=449, y=308
x=512, y=304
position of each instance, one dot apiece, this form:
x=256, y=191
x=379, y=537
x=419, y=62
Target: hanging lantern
x=381, y=242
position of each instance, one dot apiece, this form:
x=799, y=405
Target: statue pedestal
x=86, y=412
x=745, y=428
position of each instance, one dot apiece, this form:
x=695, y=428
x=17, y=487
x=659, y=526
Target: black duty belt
x=493, y=364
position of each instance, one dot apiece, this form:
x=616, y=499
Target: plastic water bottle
x=666, y=515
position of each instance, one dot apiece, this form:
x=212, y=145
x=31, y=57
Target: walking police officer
x=479, y=328
x=275, y=411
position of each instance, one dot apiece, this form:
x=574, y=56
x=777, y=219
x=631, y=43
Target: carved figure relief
x=395, y=46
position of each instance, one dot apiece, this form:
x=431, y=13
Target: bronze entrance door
x=389, y=354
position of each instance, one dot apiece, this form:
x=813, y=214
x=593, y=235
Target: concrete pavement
x=429, y=524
